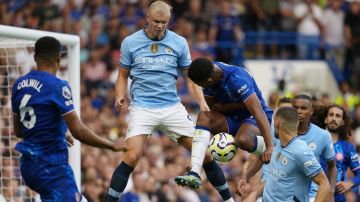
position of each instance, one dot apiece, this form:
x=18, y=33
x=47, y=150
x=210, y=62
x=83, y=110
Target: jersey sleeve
x=354, y=164
x=308, y=163
x=243, y=87
x=328, y=152
x=63, y=98
x=184, y=57
x=125, y=55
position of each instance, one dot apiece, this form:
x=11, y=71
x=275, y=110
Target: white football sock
x=260, y=147
x=230, y=200
x=200, y=144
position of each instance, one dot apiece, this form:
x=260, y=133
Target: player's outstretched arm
x=254, y=106
x=195, y=91
x=85, y=135
x=324, y=187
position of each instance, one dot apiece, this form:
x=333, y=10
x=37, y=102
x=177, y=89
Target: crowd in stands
x=224, y=30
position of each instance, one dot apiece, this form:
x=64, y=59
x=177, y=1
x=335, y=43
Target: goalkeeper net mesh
x=16, y=59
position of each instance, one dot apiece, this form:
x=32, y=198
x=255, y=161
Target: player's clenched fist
x=119, y=103
x=120, y=145
x=267, y=154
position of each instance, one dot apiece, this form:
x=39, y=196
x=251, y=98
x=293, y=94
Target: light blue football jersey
x=265, y=167
x=290, y=170
x=320, y=142
x=154, y=66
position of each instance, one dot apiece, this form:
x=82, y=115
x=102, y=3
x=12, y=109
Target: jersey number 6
x=27, y=109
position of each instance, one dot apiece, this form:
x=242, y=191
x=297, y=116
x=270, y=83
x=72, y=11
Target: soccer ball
x=222, y=147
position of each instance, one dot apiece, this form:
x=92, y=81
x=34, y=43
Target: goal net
x=16, y=59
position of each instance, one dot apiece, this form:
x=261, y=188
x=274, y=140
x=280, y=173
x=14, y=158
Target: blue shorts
x=54, y=183
x=234, y=125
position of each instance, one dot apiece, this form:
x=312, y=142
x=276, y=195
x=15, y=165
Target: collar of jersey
x=166, y=31
x=41, y=72
x=292, y=140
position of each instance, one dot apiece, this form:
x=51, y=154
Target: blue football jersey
x=346, y=157
x=41, y=100
x=237, y=85
x=290, y=170
x=320, y=142
x=154, y=67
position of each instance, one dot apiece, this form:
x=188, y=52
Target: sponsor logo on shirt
x=310, y=162
x=277, y=173
x=66, y=93
x=243, y=89
x=355, y=157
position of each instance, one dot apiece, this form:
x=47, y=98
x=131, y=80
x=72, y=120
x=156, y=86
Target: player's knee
x=132, y=158
x=204, y=119
x=244, y=142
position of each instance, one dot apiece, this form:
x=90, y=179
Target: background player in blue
x=152, y=58
x=318, y=140
x=292, y=164
x=337, y=122
x=237, y=107
x=42, y=108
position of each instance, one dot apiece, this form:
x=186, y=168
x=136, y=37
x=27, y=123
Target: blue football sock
x=119, y=181
x=217, y=178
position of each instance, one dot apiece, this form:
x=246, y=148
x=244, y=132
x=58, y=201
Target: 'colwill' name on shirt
x=30, y=83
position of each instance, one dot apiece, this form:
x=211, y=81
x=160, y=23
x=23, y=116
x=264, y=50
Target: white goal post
x=72, y=42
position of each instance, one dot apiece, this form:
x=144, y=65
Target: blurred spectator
x=94, y=72
x=195, y=16
x=352, y=38
x=309, y=27
x=268, y=17
x=202, y=45
x=348, y=99
x=226, y=33
x=333, y=21
x=288, y=24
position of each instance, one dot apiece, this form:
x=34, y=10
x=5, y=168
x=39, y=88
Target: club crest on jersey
x=168, y=50
x=154, y=48
x=284, y=160
x=339, y=156
x=66, y=92
x=312, y=146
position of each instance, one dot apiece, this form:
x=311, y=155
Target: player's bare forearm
x=254, y=106
x=251, y=166
x=121, y=84
x=332, y=175
x=83, y=134
x=324, y=187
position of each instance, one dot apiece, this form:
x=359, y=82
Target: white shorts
x=174, y=121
